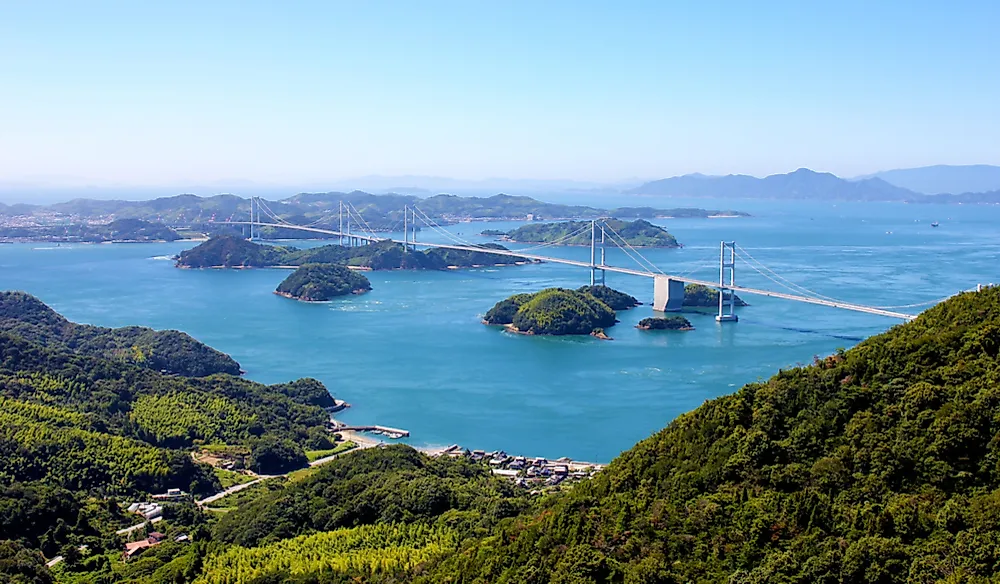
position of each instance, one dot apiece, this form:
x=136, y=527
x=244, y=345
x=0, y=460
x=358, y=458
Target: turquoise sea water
x=413, y=354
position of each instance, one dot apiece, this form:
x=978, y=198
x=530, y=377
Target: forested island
x=553, y=311
x=228, y=251
x=673, y=322
x=875, y=465
x=637, y=233
x=120, y=230
x=321, y=282
x=698, y=296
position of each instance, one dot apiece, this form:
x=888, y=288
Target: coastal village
x=524, y=471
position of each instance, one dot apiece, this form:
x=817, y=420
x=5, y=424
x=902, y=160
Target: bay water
x=413, y=354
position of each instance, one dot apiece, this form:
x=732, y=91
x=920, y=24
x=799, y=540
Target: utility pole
x=727, y=296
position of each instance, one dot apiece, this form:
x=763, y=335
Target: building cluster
x=152, y=511
x=527, y=471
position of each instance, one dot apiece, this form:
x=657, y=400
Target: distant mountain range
x=933, y=180
x=805, y=184
x=369, y=212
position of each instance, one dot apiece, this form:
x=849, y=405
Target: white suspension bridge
x=668, y=289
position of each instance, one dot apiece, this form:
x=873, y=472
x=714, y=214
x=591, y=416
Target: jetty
x=386, y=430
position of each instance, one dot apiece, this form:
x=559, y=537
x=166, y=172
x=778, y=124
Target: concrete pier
x=668, y=294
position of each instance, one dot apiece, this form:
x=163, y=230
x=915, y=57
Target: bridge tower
x=252, y=199
x=340, y=225
x=593, y=253
x=727, y=296
x=350, y=242
x=603, y=272
x=407, y=226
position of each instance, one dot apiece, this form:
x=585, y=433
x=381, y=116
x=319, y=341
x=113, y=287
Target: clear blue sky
x=165, y=92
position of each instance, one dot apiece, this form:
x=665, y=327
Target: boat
x=935, y=224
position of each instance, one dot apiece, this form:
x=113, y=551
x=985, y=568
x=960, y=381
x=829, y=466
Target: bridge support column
x=727, y=296
x=668, y=294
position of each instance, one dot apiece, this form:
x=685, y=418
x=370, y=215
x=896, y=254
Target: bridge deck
x=588, y=265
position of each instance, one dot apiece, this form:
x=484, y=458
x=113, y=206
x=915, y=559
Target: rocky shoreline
x=291, y=296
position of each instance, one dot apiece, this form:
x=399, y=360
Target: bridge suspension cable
x=760, y=268
x=426, y=219
x=353, y=211
x=648, y=264
x=557, y=241
x=799, y=289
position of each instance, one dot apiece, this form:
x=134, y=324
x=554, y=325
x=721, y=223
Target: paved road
x=238, y=488
x=129, y=530
x=233, y=489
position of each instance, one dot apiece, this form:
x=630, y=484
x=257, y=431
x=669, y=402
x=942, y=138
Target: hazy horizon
x=191, y=93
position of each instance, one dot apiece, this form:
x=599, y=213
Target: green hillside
x=167, y=351
x=878, y=464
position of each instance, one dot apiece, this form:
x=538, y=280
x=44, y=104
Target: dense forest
x=613, y=298
x=232, y=252
x=875, y=465
x=637, y=233
x=553, y=311
x=166, y=351
x=90, y=422
x=320, y=282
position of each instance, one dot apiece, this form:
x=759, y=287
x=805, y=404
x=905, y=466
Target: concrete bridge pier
x=668, y=294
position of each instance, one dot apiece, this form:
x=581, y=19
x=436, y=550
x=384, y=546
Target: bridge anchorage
x=668, y=289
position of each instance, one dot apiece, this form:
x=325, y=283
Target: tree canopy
x=553, y=311
x=613, y=298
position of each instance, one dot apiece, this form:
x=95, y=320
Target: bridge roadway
x=588, y=265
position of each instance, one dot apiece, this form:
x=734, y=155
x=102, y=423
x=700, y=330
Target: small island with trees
x=698, y=296
x=672, y=322
x=638, y=233
x=322, y=282
x=553, y=311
